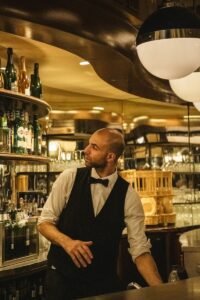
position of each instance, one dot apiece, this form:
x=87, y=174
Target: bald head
x=114, y=140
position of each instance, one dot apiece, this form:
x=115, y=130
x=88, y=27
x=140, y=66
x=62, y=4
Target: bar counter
x=166, y=250
x=188, y=289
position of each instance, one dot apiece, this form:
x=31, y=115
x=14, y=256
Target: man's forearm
x=51, y=232
x=148, y=269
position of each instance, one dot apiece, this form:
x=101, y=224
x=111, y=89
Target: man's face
x=96, y=152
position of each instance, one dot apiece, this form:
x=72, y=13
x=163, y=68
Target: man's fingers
x=87, y=251
x=82, y=256
x=87, y=255
x=75, y=261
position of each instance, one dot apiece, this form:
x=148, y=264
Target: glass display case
x=18, y=241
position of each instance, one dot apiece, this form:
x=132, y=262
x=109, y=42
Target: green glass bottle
x=2, y=81
x=37, y=136
x=10, y=72
x=19, y=141
x=5, y=145
x=30, y=142
x=36, y=85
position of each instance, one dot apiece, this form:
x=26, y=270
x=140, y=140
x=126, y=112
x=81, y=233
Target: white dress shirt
x=133, y=210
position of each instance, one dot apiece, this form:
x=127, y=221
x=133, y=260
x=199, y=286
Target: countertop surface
x=167, y=229
x=190, y=240
x=188, y=289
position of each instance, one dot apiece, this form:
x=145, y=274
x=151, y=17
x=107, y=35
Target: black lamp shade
x=169, y=18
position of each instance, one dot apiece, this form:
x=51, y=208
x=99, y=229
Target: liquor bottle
x=44, y=143
x=25, y=131
x=10, y=72
x=18, y=146
x=182, y=272
x=28, y=133
x=173, y=276
x=37, y=136
x=33, y=290
x=4, y=135
x=36, y=86
x=11, y=122
x=40, y=285
x=1, y=77
x=23, y=80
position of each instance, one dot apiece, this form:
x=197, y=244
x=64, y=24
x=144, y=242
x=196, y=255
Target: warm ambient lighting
x=187, y=88
x=168, y=42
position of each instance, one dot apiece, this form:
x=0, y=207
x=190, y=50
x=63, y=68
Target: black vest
x=77, y=220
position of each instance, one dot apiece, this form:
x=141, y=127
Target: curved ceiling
x=62, y=34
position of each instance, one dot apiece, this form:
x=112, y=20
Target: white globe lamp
x=168, y=42
x=187, y=88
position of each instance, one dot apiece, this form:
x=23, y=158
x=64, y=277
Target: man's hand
x=79, y=252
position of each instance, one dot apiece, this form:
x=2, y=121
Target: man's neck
x=104, y=172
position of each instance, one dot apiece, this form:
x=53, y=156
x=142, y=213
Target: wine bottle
x=36, y=85
x=29, y=135
x=37, y=136
x=11, y=123
x=5, y=145
x=10, y=72
x=1, y=77
x=18, y=133
x=23, y=80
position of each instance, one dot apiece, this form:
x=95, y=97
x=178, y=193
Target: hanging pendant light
x=197, y=105
x=168, y=42
x=188, y=87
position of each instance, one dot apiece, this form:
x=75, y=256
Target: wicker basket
x=149, y=182
x=155, y=190
x=153, y=182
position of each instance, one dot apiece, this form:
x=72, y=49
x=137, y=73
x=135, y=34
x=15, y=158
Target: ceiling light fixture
x=197, y=105
x=84, y=63
x=140, y=118
x=98, y=108
x=168, y=42
x=187, y=88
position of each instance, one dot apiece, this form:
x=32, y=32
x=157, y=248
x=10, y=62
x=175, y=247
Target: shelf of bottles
x=21, y=147
x=23, y=288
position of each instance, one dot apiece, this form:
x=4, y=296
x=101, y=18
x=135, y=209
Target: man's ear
x=111, y=156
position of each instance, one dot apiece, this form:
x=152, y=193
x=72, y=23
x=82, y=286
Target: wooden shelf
x=24, y=157
x=10, y=100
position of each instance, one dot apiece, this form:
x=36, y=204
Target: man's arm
x=79, y=251
x=148, y=269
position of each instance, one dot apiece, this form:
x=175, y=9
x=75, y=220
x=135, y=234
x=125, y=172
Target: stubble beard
x=96, y=165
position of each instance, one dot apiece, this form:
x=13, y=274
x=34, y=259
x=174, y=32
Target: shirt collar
x=112, y=177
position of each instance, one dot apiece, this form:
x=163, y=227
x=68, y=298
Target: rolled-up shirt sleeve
x=58, y=197
x=134, y=220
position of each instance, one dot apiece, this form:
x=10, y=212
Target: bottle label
x=27, y=92
x=29, y=139
x=20, y=132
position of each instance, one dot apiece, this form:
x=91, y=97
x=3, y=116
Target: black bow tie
x=99, y=180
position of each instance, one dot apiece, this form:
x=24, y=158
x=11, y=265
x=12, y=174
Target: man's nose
x=86, y=149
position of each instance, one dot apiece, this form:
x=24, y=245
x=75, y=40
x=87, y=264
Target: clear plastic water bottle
x=173, y=276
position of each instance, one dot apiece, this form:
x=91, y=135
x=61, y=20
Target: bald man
x=84, y=217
